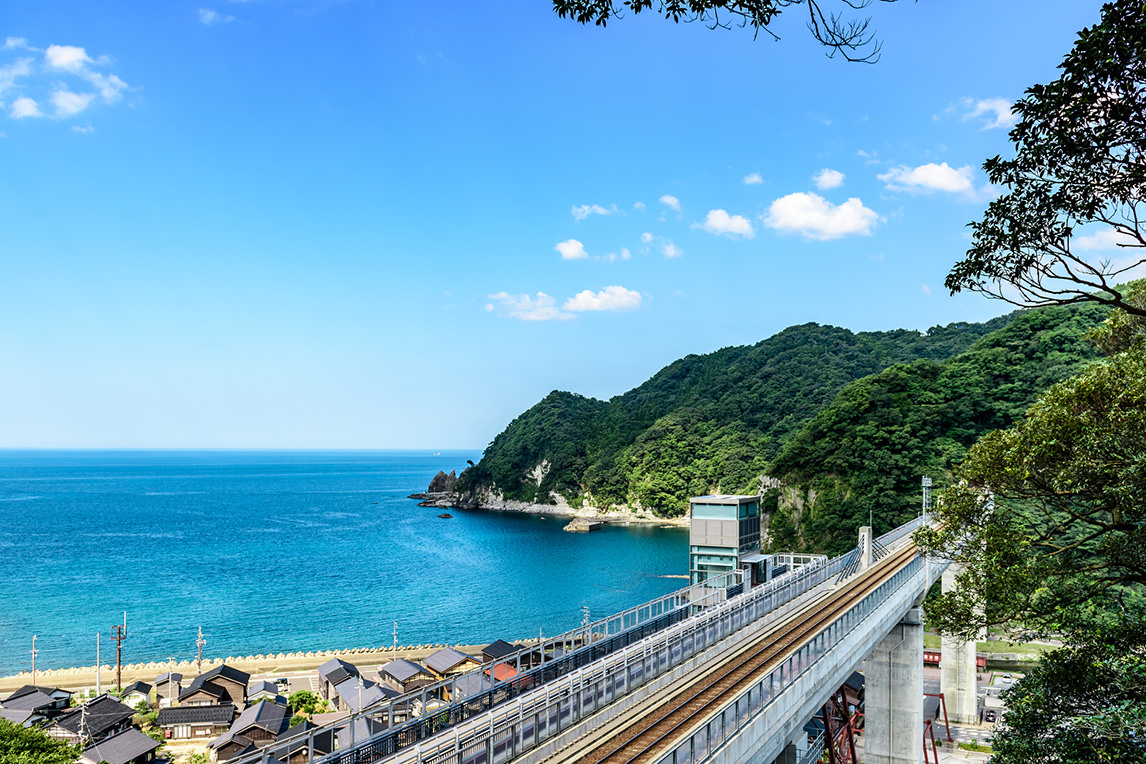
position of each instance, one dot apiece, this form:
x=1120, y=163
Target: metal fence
x=537, y=716
x=609, y=662
x=706, y=741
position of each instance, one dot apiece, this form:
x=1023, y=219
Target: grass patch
x=975, y=746
x=934, y=642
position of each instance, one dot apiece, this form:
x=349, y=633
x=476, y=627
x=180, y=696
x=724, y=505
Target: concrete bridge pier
x=893, y=717
x=958, y=675
x=795, y=751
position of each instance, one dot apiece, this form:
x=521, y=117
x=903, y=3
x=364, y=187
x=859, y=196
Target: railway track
x=652, y=736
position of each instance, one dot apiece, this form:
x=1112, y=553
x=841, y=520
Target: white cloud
x=85, y=130
x=526, y=308
x=21, y=67
x=17, y=43
x=69, y=104
x=670, y=250
x=25, y=107
x=572, y=249
x=670, y=201
x=612, y=298
x=930, y=177
x=720, y=223
x=827, y=178
x=926, y=289
x=585, y=210
x=625, y=253
x=1107, y=238
x=67, y=57
x=210, y=17
x=646, y=238
x=1000, y=108
x=639, y=206
x=816, y=218
x=753, y=179
x=109, y=86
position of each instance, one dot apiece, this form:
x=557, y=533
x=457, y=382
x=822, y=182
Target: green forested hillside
x=704, y=423
x=865, y=452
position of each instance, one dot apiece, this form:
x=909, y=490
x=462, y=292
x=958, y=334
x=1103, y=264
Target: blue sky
x=367, y=224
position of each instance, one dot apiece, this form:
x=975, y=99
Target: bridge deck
x=659, y=725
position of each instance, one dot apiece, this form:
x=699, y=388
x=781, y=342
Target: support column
x=958, y=675
x=794, y=751
x=866, y=558
x=893, y=695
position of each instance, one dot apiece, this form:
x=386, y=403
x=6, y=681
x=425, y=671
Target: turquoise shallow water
x=285, y=551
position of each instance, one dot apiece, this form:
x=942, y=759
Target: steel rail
x=742, y=669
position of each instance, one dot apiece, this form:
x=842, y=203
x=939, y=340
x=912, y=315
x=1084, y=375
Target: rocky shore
x=440, y=495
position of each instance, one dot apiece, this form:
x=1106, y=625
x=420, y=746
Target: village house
x=357, y=693
x=135, y=692
x=264, y=689
x=93, y=721
x=195, y=722
x=259, y=725
x=31, y=705
x=128, y=747
x=294, y=745
x=222, y=684
x=167, y=688
x=449, y=662
x=405, y=676
x=331, y=674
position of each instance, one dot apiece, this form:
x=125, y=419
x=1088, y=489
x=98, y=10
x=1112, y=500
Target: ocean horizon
x=287, y=550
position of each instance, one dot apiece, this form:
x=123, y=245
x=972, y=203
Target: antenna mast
x=200, y=642
x=34, y=651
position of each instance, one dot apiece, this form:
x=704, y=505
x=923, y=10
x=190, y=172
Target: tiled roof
x=229, y=672
x=121, y=747
x=139, y=686
x=28, y=701
x=214, y=690
x=96, y=717
x=337, y=671
x=17, y=715
x=222, y=714
x=370, y=693
x=499, y=649
x=169, y=676
x=269, y=716
x=402, y=670
x=445, y=659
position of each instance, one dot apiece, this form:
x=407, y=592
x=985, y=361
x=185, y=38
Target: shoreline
x=445, y=500
x=84, y=677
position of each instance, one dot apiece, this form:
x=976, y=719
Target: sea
x=285, y=551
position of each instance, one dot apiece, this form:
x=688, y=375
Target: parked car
x=989, y=715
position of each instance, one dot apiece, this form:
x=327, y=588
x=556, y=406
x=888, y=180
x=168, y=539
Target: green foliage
x=703, y=423
x=303, y=700
x=1063, y=531
x=297, y=719
x=22, y=745
x=863, y=454
x=1083, y=703
x=1080, y=160
x=143, y=708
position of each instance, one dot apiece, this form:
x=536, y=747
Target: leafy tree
x=1080, y=159
x=851, y=38
x=302, y=700
x=1050, y=518
x=23, y=745
x=1083, y=703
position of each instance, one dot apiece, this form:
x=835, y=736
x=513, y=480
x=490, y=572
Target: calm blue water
x=286, y=551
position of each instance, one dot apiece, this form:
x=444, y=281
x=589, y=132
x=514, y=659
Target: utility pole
x=34, y=651
x=119, y=633
x=98, y=689
x=200, y=642
x=395, y=640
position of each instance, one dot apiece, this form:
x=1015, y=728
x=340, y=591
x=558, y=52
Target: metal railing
x=707, y=741
x=609, y=662
x=537, y=716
